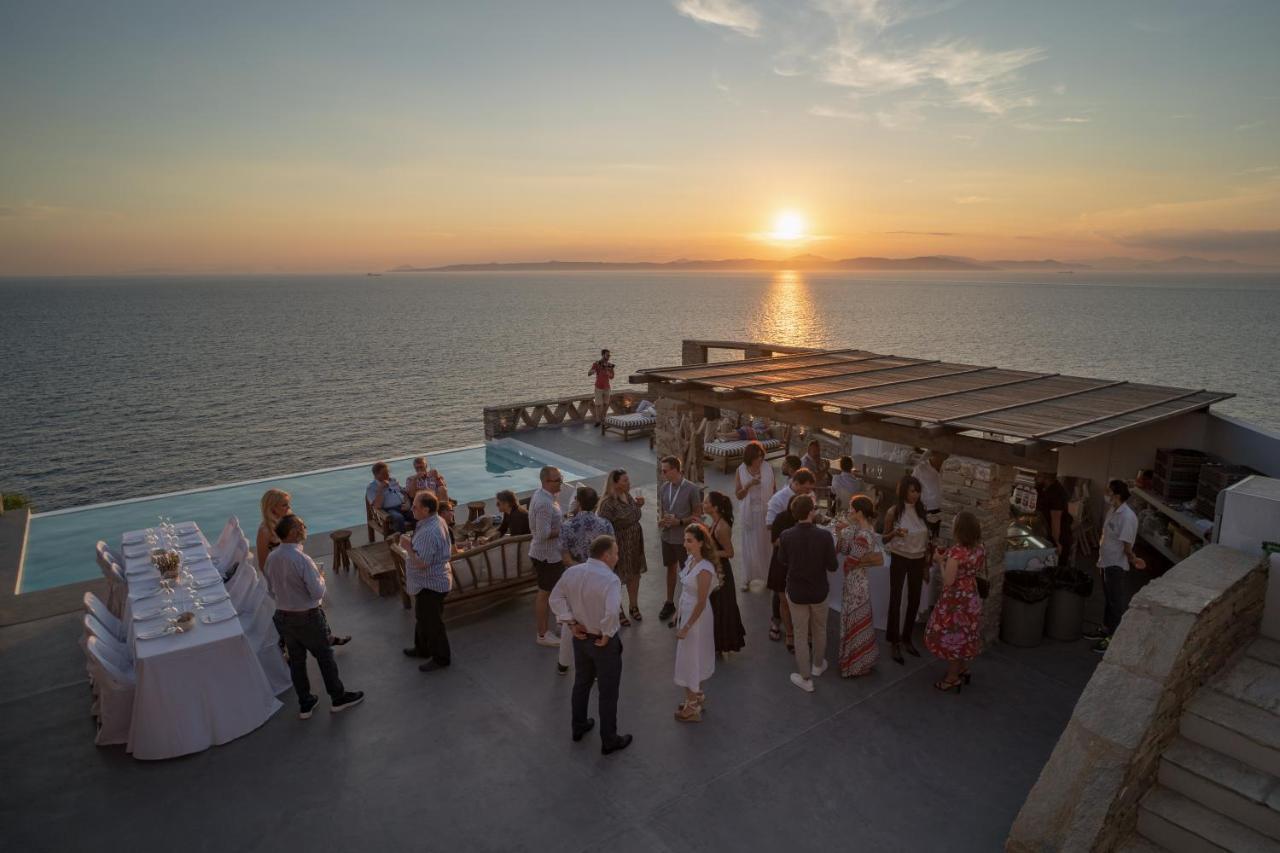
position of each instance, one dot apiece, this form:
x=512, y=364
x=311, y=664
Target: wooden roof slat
x=748, y=365
x=1045, y=408
x=934, y=396
x=1150, y=414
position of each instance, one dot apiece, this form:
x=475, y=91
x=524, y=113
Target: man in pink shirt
x=602, y=370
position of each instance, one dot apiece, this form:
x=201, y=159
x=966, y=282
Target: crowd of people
x=585, y=555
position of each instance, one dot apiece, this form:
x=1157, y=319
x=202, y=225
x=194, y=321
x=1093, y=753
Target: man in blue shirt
x=385, y=494
x=428, y=577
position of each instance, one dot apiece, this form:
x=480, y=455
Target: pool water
x=60, y=544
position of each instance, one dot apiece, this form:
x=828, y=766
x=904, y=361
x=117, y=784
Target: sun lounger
x=634, y=423
x=729, y=453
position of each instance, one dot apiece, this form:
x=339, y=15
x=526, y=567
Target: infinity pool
x=60, y=543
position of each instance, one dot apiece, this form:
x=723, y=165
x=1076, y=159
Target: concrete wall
x=1243, y=443
x=1180, y=629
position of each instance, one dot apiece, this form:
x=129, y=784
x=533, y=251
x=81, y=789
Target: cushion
x=632, y=420
x=735, y=448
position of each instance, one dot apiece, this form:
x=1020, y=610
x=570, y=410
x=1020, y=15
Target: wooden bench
x=482, y=576
x=376, y=566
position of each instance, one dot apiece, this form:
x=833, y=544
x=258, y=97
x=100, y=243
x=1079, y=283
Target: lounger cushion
x=735, y=448
x=634, y=420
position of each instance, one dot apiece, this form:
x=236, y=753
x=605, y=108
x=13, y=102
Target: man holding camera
x=603, y=372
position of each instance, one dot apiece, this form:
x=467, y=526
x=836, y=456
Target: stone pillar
x=667, y=440
x=692, y=352
x=982, y=488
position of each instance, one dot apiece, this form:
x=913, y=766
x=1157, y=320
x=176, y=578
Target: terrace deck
x=479, y=756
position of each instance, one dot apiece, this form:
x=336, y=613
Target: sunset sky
x=209, y=137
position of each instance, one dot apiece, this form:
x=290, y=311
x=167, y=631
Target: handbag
x=984, y=585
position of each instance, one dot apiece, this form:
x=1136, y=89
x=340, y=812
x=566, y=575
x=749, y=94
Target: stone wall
x=982, y=488
x=1180, y=629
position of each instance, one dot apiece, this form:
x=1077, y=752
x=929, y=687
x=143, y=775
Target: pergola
x=1012, y=417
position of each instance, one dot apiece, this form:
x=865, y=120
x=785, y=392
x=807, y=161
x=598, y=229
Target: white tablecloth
x=197, y=689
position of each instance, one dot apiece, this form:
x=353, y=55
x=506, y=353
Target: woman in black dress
x=729, y=634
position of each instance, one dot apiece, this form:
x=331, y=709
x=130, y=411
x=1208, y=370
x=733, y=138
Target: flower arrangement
x=168, y=562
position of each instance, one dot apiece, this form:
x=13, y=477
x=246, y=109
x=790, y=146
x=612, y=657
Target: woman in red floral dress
x=954, y=633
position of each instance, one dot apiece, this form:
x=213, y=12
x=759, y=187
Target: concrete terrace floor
x=478, y=757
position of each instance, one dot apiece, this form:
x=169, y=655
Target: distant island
x=924, y=263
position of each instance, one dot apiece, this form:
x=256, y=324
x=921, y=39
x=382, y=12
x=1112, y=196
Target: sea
x=121, y=387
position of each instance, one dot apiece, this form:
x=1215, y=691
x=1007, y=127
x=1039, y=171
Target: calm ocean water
x=116, y=388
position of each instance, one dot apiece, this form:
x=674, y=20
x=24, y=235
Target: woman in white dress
x=753, y=486
x=695, y=638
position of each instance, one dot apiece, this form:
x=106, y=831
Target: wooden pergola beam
x=858, y=423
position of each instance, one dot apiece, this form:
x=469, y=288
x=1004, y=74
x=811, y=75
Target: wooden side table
x=341, y=549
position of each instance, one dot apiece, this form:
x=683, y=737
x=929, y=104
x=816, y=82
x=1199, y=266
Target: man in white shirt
x=1116, y=559
x=545, y=518
x=587, y=600
x=297, y=587
x=929, y=472
x=782, y=498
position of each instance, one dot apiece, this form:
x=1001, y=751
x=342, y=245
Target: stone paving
x=478, y=757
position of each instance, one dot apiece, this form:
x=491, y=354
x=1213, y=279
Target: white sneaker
x=805, y=684
x=818, y=670
x=549, y=639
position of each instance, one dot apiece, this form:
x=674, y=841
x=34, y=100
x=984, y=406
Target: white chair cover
x=258, y=626
x=237, y=551
x=115, y=695
x=116, y=648
x=221, y=549
x=247, y=588
x=100, y=611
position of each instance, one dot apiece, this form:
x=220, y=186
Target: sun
x=788, y=226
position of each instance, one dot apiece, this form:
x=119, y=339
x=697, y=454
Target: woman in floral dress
x=954, y=633
x=621, y=510
x=860, y=547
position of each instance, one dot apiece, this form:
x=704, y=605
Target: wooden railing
x=515, y=417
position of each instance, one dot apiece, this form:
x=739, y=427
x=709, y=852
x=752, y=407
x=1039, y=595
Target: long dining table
x=198, y=688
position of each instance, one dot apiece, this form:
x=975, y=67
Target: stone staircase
x=1218, y=785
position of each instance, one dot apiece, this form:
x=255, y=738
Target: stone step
x=1232, y=788
x=1233, y=728
x=1252, y=680
x=1183, y=826
x=1265, y=649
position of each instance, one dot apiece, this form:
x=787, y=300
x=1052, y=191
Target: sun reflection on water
x=788, y=313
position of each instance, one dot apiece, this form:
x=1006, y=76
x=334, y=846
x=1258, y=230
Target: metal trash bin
x=1065, y=619
x=1022, y=613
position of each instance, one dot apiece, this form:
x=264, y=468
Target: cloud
x=925, y=233
x=1075, y=120
x=972, y=199
x=1204, y=240
x=1251, y=125
x=732, y=14
x=822, y=111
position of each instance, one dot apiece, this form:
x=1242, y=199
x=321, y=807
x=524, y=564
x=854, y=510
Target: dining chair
x=99, y=610
x=115, y=688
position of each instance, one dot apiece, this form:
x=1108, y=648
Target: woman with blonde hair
x=276, y=504
x=695, y=636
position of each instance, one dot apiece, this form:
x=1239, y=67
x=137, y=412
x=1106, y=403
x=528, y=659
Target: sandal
x=635, y=614
x=775, y=632
x=623, y=620
x=689, y=712
x=946, y=685
x=339, y=641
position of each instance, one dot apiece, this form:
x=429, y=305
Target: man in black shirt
x=1051, y=504
x=808, y=553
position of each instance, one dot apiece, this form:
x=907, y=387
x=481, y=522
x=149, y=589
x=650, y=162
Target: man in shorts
x=544, y=551
x=602, y=370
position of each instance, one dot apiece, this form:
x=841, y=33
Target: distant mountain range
x=937, y=263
